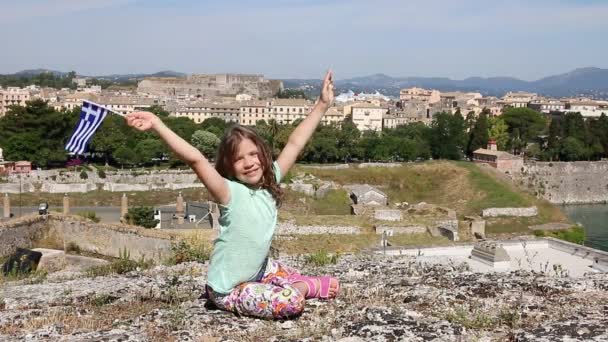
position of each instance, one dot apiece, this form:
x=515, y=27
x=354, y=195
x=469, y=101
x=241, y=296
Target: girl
x=245, y=182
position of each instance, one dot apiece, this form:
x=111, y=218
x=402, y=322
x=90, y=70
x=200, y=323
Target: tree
x=112, y=134
x=141, y=216
x=125, y=156
x=498, y=131
x=149, y=149
x=573, y=125
x=524, y=124
x=573, y=149
x=206, y=142
x=216, y=126
x=159, y=111
x=554, y=139
x=36, y=132
x=348, y=140
x=447, y=135
x=478, y=137
x=598, y=129
x=291, y=94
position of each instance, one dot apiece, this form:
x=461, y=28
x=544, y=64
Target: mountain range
x=583, y=81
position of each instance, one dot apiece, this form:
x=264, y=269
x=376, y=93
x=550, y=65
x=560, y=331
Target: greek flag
x=91, y=116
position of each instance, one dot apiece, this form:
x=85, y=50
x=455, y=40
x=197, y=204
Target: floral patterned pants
x=273, y=297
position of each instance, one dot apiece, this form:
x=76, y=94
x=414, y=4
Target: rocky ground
x=382, y=299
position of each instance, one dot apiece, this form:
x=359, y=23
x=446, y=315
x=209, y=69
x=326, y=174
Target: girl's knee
x=292, y=307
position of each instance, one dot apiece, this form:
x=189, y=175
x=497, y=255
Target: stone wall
x=13, y=188
x=289, y=228
x=517, y=212
x=57, y=181
x=57, y=231
x=22, y=232
x=366, y=165
x=566, y=182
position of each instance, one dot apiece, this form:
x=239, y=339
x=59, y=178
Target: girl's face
x=247, y=166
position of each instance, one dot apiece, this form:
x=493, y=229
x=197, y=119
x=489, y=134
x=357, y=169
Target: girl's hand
x=142, y=121
x=327, y=90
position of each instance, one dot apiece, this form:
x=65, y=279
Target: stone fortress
x=210, y=85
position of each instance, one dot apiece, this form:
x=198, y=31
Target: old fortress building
x=250, y=99
x=210, y=85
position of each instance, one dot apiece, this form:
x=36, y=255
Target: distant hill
x=114, y=77
x=34, y=72
x=127, y=77
x=585, y=81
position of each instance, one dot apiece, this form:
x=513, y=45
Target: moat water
x=594, y=217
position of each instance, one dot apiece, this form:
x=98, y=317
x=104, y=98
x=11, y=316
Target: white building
x=368, y=116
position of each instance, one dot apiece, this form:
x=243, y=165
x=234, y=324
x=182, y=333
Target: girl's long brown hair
x=227, y=152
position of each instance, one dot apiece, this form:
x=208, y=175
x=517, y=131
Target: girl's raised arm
x=300, y=136
x=213, y=181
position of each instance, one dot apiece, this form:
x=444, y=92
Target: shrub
x=574, y=234
x=321, y=258
x=83, y=175
x=142, y=216
x=186, y=252
x=72, y=247
x=121, y=265
x=101, y=174
x=90, y=215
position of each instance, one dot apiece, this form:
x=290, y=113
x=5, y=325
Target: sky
x=303, y=38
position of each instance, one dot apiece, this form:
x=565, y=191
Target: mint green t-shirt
x=247, y=224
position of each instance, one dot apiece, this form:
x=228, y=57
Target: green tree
x=572, y=149
x=216, y=126
x=159, y=111
x=112, y=134
x=573, y=125
x=125, y=156
x=524, y=125
x=348, y=141
x=36, y=132
x=206, y=142
x=141, y=216
x=478, y=137
x=447, y=136
x=149, y=149
x=498, y=131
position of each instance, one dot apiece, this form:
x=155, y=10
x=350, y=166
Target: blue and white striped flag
x=91, y=117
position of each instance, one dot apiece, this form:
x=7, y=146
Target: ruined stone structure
x=517, y=212
x=55, y=181
x=477, y=226
x=567, y=182
x=492, y=254
x=210, y=85
x=58, y=231
x=364, y=194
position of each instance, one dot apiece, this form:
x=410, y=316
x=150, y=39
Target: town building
x=518, y=99
x=367, y=116
x=501, y=160
x=200, y=111
x=12, y=96
x=547, y=105
x=287, y=111
x=419, y=95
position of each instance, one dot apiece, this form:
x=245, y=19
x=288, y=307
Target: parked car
x=43, y=208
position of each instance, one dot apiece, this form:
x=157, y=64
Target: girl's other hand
x=142, y=121
x=327, y=90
